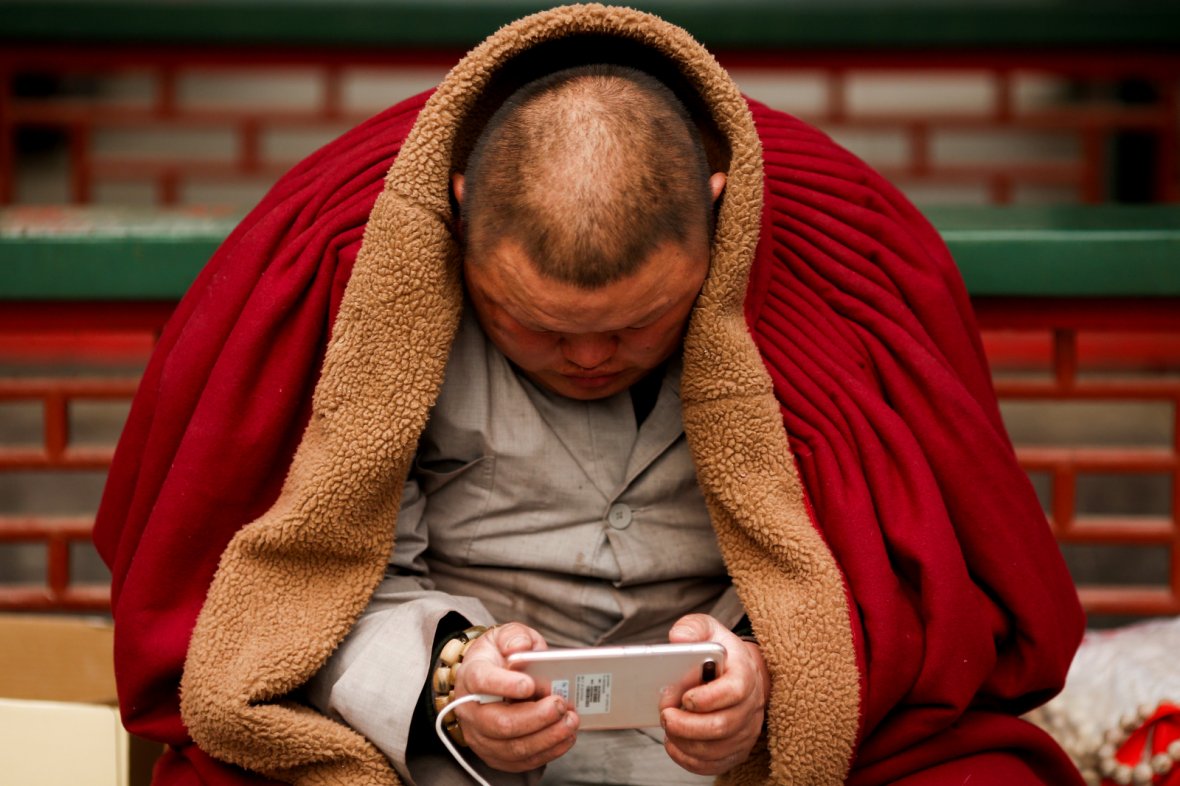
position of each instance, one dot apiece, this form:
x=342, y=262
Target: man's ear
x=717, y=185
x=457, y=187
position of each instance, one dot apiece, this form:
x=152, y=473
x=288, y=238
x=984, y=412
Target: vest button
x=619, y=516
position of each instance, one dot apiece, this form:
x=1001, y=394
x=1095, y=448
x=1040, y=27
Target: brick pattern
x=985, y=128
x=143, y=126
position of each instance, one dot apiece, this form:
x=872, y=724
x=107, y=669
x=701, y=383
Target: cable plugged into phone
x=482, y=698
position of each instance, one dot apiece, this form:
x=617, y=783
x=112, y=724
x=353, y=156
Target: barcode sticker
x=560, y=688
x=592, y=693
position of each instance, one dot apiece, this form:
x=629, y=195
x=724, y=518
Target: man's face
x=586, y=343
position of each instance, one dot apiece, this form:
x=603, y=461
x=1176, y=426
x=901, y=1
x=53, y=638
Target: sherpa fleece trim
x=291, y=584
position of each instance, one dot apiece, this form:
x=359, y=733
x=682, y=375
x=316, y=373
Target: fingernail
x=571, y=720
x=517, y=641
x=690, y=704
x=664, y=720
x=560, y=705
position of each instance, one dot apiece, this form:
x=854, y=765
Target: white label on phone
x=593, y=693
x=560, y=688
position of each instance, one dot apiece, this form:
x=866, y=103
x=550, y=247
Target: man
x=907, y=598
x=587, y=213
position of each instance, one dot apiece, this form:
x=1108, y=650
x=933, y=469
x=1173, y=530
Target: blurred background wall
x=142, y=106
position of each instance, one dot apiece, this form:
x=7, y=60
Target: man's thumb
x=692, y=627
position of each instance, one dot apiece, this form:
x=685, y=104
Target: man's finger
x=734, y=687
x=477, y=675
x=515, y=637
x=694, y=627
x=516, y=737
x=711, y=727
x=510, y=721
x=707, y=765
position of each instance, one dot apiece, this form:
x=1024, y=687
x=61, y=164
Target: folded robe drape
x=965, y=614
x=218, y=414
x=962, y=611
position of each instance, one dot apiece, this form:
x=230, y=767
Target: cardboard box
x=59, y=719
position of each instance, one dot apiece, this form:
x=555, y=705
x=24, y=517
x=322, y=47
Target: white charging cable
x=482, y=698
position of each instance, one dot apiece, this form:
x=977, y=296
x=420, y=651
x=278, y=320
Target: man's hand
x=523, y=732
x=712, y=728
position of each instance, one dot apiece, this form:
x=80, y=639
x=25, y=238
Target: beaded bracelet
x=446, y=675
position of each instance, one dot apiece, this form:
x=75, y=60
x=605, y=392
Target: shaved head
x=588, y=170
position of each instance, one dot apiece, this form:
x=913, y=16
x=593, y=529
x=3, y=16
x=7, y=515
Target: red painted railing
x=59, y=334
x=1050, y=352
x=1109, y=352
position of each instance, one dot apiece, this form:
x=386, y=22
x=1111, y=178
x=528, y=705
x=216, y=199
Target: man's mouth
x=593, y=380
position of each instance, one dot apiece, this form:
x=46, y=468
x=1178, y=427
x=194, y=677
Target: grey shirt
x=527, y=506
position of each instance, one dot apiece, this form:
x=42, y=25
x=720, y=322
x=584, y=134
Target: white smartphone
x=619, y=687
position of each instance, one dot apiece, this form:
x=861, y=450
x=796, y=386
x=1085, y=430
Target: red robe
x=963, y=612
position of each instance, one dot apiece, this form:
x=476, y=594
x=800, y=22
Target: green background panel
x=84, y=254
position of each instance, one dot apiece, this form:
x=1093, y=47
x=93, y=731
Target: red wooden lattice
x=1016, y=330
x=1131, y=354
x=51, y=331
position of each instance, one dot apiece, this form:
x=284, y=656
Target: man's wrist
x=744, y=630
x=422, y=736
x=446, y=659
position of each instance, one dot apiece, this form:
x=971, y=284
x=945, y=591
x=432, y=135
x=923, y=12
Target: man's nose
x=589, y=350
